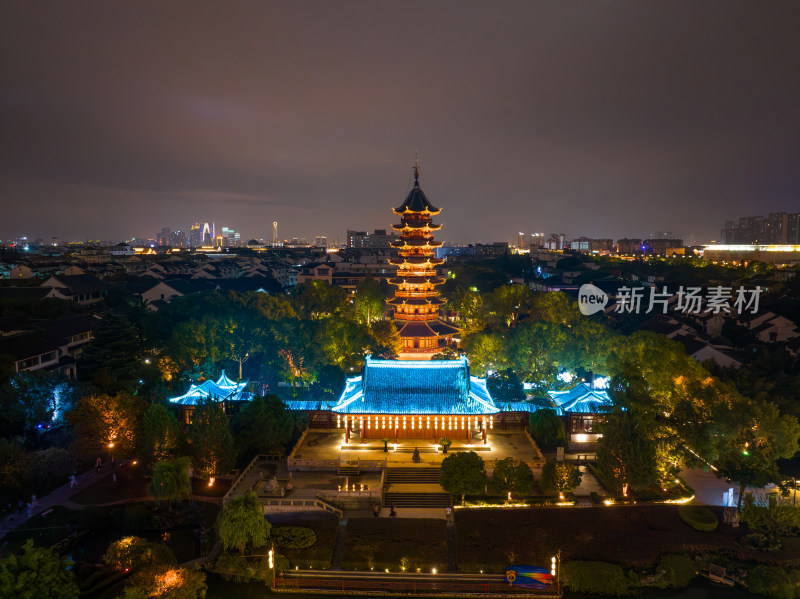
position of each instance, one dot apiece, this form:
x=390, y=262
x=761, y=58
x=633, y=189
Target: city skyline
x=578, y=119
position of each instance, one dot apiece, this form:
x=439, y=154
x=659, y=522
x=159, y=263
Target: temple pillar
x=347, y=430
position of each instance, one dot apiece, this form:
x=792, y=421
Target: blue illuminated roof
x=582, y=399
x=416, y=387
x=223, y=389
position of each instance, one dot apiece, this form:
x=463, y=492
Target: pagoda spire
x=416, y=169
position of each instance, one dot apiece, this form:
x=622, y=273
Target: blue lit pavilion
x=415, y=399
x=223, y=389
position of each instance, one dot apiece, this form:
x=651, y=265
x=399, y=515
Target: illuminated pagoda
x=417, y=302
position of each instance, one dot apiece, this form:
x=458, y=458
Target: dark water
x=700, y=589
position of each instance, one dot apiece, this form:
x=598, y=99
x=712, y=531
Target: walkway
x=59, y=497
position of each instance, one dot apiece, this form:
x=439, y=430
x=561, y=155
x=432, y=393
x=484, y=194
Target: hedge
x=595, y=577
x=676, y=571
x=773, y=581
x=698, y=517
x=293, y=537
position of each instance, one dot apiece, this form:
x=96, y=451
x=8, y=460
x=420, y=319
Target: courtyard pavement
x=326, y=445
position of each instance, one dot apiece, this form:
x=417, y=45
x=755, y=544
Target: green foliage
x=512, y=476
x=675, y=571
x=213, y=449
x=625, y=454
x=238, y=568
x=318, y=299
x=387, y=343
x=47, y=464
x=167, y=582
x=505, y=386
x=293, y=537
x=774, y=581
x=781, y=518
x=159, y=437
x=560, y=477
x=106, y=424
x=463, y=473
x=444, y=443
x=31, y=398
x=595, y=577
x=241, y=522
x=12, y=466
x=171, y=480
x=37, y=573
x=698, y=517
x=547, y=428
x=263, y=425
x=131, y=553
x=111, y=360
x=369, y=302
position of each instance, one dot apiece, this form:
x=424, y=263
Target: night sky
x=593, y=117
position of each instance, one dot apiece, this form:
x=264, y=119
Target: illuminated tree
x=318, y=299
x=166, y=582
x=505, y=386
x=387, y=342
x=625, y=454
x=171, y=480
x=560, y=476
x=241, y=522
x=510, y=303
x=107, y=424
x=469, y=309
x=369, y=301
x=37, y=573
x=486, y=351
x=512, y=476
x=213, y=449
x=463, y=473
x=159, y=437
x=131, y=553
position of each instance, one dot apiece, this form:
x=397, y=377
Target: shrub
x=698, y=517
x=773, y=581
x=129, y=553
x=595, y=577
x=559, y=477
x=293, y=537
x=676, y=571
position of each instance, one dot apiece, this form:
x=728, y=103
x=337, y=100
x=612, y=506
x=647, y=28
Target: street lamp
x=272, y=564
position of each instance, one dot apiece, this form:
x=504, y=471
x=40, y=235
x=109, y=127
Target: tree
x=487, y=351
x=12, y=467
x=463, y=473
x=131, y=553
x=171, y=480
x=107, y=423
x=159, y=437
x=511, y=476
x=318, y=299
x=31, y=399
x=166, y=582
x=510, y=303
x=369, y=301
x=625, y=455
x=241, y=522
x=749, y=455
x=112, y=359
x=468, y=306
x=505, y=386
x=213, y=448
x=547, y=428
x=386, y=340
x=561, y=477
x=263, y=425
x=38, y=573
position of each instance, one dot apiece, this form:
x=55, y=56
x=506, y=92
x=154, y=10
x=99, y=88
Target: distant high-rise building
x=165, y=237
x=777, y=228
x=379, y=239
x=196, y=235
x=178, y=239
x=208, y=234
x=556, y=241
x=321, y=241
x=232, y=238
x=275, y=232
x=629, y=246
x=521, y=241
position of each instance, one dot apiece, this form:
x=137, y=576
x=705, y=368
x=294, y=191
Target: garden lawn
x=382, y=543
x=319, y=555
x=492, y=539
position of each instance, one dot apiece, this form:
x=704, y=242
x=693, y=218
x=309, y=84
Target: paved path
x=59, y=497
x=452, y=563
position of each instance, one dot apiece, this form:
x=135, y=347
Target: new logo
x=591, y=299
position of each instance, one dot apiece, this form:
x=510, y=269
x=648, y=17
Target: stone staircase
x=419, y=476
x=418, y=500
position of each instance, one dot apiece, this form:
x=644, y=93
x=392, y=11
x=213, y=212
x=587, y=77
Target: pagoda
x=417, y=302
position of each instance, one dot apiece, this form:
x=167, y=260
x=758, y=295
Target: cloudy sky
x=593, y=117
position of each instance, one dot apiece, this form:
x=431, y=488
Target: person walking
x=98, y=463
x=392, y=512
x=376, y=510
x=73, y=481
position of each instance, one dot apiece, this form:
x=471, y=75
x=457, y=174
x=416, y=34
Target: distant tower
x=275, y=231
x=416, y=302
